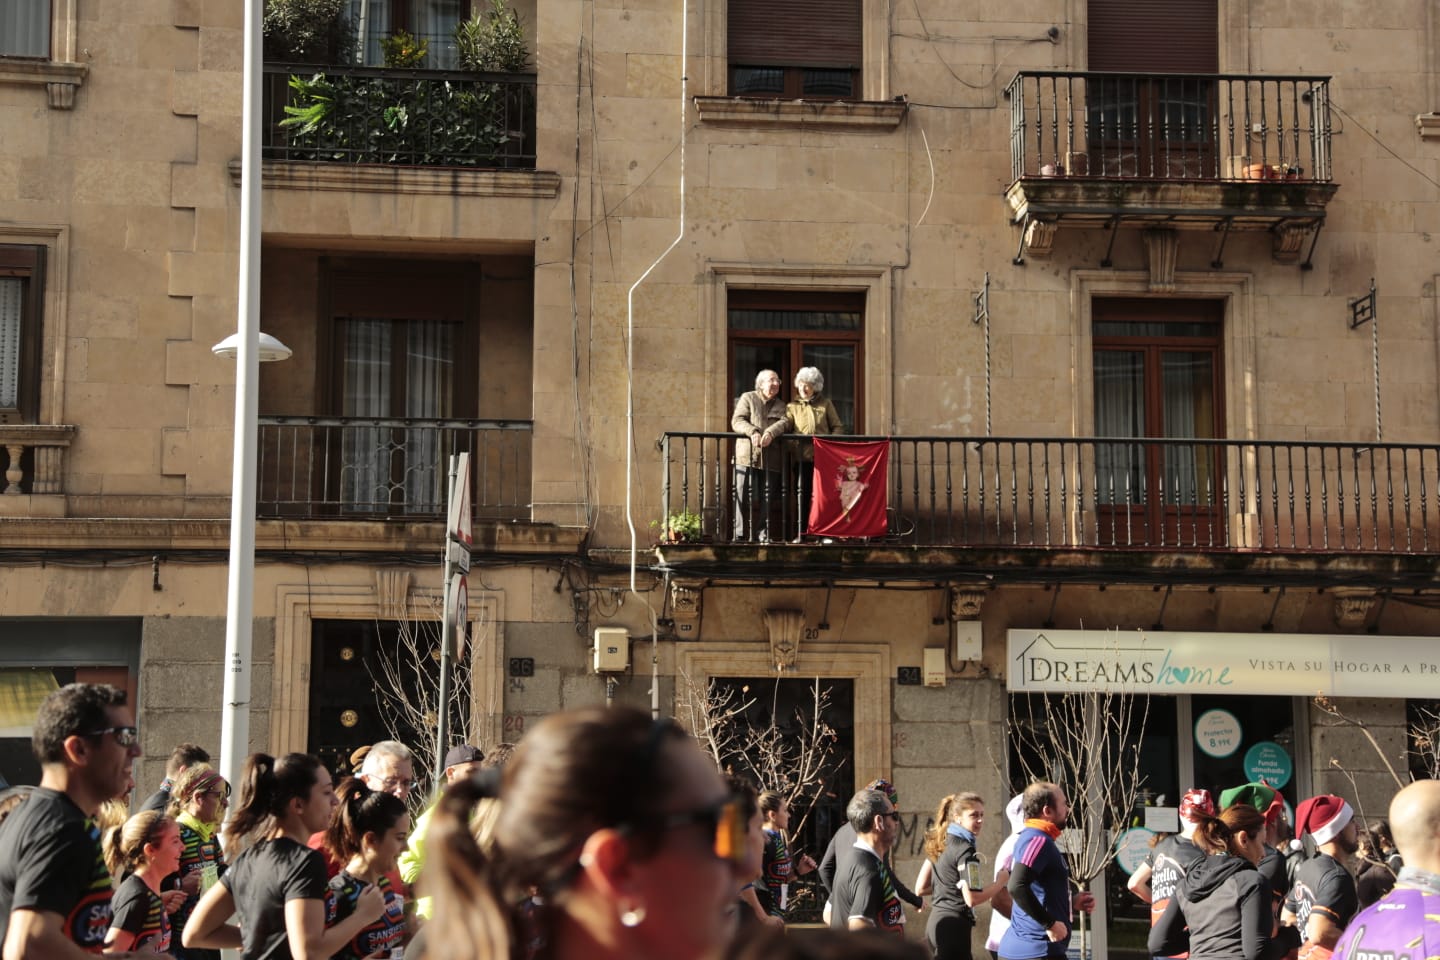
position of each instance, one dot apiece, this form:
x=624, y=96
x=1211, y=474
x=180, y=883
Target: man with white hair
x=1156, y=880
x=759, y=418
x=1403, y=922
x=389, y=767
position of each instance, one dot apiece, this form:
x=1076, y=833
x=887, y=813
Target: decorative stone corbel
x=1287, y=240
x=785, y=628
x=392, y=591
x=1039, y=239
x=1352, y=605
x=685, y=606
x=1162, y=248
x=965, y=603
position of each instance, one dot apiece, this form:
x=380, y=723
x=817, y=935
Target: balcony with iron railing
x=356, y=468
x=1188, y=151
x=369, y=115
x=1217, y=499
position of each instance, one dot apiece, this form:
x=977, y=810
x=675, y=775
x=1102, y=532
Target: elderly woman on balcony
x=813, y=415
x=759, y=418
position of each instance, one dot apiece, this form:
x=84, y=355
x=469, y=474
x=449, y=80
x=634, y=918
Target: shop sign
x=1217, y=733
x=1267, y=762
x=1131, y=848
x=1275, y=664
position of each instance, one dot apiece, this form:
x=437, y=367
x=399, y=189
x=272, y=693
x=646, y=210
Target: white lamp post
x=248, y=346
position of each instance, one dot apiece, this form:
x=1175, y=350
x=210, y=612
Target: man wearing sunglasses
x=54, y=886
x=864, y=895
x=842, y=845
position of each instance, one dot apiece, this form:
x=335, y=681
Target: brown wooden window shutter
x=812, y=33
x=1154, y=36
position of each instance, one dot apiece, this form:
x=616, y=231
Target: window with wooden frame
x=433, y=21
x=22, y=298
x=795, y=49
x=402, y=344
x=1151, y=119
x=1158, y=374
x=784, y=330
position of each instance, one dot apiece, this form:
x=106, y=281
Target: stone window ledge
x=867, y=114
x=60, y=79
x=1429, y=125
x=363, y=178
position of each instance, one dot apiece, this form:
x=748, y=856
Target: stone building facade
x=994, y=250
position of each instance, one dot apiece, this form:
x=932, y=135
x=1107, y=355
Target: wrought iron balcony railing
x=1201, y=495
x=404, y=117
x=1207, y=127
x=361, y=468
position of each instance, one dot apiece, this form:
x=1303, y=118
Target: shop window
x=1422, y=725
x=22, y=298
x=789, y=49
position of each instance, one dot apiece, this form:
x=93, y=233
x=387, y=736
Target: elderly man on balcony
x=759, y=418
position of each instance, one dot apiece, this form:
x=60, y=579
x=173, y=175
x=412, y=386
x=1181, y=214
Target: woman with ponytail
x=276, y=883
x=145, y=850
x=198, y=798
x=616, y=829
x=952, y=873
x=367, y=836
x=1222, y=908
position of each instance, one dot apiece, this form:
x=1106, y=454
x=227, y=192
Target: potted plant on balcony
x=307, y=31
x=681, y=527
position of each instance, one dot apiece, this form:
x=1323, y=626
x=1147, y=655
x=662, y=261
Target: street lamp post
x=248, y=346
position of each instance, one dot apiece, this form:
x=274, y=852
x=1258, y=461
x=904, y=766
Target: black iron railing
x=1169, y=126
x=357, y=468
x=1272, y=496
x=406, y=117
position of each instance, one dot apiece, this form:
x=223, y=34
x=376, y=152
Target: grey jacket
x=756, y=415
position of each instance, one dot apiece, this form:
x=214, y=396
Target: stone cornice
x=375, y=178
x=289, y=536
x=875, y=115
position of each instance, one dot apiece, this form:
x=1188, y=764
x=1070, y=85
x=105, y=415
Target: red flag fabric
x=851, y=492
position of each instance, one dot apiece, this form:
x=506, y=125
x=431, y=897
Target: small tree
x=492, y=41
x=307, y=31
x=1086, y=743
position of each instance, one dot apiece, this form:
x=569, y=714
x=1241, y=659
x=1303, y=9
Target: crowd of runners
x=605, y=835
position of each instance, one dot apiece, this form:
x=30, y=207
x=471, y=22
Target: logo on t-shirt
x=89, y=921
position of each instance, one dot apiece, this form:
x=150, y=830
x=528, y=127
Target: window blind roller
x=782, y=33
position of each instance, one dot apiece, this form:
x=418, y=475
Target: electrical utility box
x=612, y=649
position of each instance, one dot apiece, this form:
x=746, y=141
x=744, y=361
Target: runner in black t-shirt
x=54, y=888
x=145, y=850
x=864, y=894
x=276, y=867
x=1323, y=899
x=367, y=835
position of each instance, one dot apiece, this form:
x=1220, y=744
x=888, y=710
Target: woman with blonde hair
x=198, y=799
x=144, y=851
x=1222, y=908
x=952, y=873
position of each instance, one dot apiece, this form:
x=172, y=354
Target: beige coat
x=754, y=415
x=815, y=417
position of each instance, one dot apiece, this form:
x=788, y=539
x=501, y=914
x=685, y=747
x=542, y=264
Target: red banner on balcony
x=850, y=488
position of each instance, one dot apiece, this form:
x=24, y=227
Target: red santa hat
x=1323, y=817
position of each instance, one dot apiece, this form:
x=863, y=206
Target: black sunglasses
x=125, y=736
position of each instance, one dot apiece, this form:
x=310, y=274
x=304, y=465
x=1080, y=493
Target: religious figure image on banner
x=850, y=489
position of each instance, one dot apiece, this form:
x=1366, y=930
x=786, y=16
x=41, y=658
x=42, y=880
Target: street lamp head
x=270, y=348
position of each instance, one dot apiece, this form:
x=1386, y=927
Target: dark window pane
x=746, y=319
x=750, y=81
x=817, y=82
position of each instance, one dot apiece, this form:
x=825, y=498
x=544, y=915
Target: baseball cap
x=463, y=753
